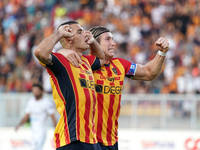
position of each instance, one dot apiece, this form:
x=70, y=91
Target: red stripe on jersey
x=117, y=115
x=76, y=97
x=55, y=81
x=109, y=123
x=87, y=114
x=91, y=59
x=86, y=65
x=66, y=129
x=100, y=82
x=57, y=140
x=91, y=62
x=109, y=71
x=98, y=71
x=91, y=78
x=100, y=98
x=82, y=76
x=94, y=103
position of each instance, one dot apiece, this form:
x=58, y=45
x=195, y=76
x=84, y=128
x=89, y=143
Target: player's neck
x=107, y=62
x=107, y=59
x=78, y=51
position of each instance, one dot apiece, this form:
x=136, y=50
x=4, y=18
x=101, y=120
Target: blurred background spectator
x=135, y=24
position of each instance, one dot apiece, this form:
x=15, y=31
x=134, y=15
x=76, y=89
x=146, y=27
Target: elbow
x=40, y=55
x=152, y=77
x=151, y=74
x=37, y=52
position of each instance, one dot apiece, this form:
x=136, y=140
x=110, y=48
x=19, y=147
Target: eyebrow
x=79, y=30
x=109, y=37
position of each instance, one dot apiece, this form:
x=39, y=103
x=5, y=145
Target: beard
x=38, y=96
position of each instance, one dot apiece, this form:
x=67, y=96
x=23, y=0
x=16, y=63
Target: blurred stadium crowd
x=135, y=24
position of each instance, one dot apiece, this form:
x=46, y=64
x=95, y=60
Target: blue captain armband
x=132, y=70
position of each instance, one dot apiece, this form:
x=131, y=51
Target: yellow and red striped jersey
x=108, y=84
x=73, y=91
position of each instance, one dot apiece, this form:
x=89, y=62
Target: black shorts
x=80, y=145
x=114, y=147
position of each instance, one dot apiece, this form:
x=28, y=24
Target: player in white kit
x=38, y=108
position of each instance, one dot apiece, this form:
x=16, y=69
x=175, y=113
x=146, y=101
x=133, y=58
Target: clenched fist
x=162, y=44
x=66, y=31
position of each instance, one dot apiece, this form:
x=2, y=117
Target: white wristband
x=162, y=53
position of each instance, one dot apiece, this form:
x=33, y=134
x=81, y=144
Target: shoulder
x=58, y=59
x=88, y=57
x=92, y=60
x=31, y=101
x=58, y=55
x=120, y=59
x=46, y=100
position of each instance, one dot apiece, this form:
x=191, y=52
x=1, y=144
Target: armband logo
x=132, y=67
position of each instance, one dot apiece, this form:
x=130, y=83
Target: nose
x=84, y=32
x=113, y=43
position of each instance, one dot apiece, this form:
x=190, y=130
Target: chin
x=112, y=55
x=84, y=47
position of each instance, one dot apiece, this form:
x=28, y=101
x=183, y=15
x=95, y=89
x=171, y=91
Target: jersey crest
x=114, y=70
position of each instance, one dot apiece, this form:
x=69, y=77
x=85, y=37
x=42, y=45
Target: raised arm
x=95, y=48
x=152, y=69
x=43, y=50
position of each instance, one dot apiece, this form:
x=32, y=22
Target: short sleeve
x=130, y=68
x=56, y=66
x=55, y=63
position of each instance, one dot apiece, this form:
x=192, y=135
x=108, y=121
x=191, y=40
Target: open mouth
x=86, y=39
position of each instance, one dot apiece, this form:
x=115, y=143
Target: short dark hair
x=38, y=85
x=97, y=31
x=67, y=22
